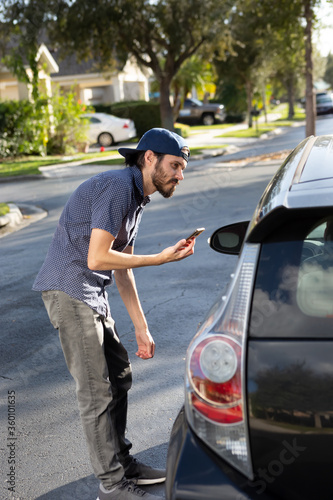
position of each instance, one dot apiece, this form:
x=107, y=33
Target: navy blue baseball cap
x=160, y=140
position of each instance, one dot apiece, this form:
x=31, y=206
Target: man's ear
x=149, y=156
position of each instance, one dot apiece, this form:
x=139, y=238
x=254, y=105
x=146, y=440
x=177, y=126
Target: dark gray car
x=257, y=421
x=195, y=111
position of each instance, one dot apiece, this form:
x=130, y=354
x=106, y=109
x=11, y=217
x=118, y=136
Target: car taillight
x=215, y=375
x=126, y=125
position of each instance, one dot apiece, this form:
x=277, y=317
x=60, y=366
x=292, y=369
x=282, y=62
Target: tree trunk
x=167, y=120
x=291, y=98
x=310, y=105
x=264, y=107
x=249, y=94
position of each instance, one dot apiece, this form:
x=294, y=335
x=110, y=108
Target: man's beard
x=159, y=180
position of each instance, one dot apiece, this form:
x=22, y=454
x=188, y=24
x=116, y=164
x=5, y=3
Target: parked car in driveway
x=195, y=111
x=324, y=103
x=107, y=130
x=257, y=421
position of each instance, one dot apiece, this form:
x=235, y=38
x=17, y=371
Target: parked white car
x=107, y=129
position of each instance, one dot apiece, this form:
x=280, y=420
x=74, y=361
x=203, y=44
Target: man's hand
x=181, y=250
x=146, y=344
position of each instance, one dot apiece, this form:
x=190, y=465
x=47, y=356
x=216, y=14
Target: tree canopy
x=161, y=35
x=245, y=38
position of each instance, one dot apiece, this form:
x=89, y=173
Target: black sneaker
x=142, y=474
x=125, y=490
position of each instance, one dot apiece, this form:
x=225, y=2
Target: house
x=12, y=89
x=91, y=86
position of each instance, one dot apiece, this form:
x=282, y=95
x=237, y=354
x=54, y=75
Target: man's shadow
x=86, y=488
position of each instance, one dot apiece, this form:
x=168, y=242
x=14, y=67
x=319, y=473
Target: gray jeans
x=99, y=364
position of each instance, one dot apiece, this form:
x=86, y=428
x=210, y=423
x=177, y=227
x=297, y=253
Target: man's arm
x=101, y=257
x=127, y=289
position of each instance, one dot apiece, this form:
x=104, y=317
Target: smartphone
x=196, y=233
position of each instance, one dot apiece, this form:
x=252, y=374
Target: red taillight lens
x=220, y=415
x=126, y=125
x=215, y=374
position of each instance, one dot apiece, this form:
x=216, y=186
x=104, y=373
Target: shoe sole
x=142, y=482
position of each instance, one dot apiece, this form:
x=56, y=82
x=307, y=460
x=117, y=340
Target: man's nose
x=180, y=174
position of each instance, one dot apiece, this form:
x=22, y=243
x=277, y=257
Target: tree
x=196, y=73
x=239, y=67
x=286, y=48
x=310, y=102
x=161, y=35
x=328, y=75
x=21, y=28
x=289, y=17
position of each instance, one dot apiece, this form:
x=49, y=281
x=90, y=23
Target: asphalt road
x=44, y=440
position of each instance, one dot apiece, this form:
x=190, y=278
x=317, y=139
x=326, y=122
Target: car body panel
x=195, y=473
x=288, y=349
x=295, y=185
x=101, y=123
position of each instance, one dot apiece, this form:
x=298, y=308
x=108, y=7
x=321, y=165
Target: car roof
x=304, y=182
x=100, y=115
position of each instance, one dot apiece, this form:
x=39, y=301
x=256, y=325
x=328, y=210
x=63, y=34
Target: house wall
x=8, y=90
x=91, y=88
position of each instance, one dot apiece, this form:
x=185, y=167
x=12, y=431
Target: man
x=95, y=238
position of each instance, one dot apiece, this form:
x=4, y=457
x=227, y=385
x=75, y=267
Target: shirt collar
x=138, y=180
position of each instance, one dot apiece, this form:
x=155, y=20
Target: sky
x=324, y=37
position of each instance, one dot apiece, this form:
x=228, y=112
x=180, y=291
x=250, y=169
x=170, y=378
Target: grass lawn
x=196, y=129
x=29, y=165
x=255, y=131
x=261, y=128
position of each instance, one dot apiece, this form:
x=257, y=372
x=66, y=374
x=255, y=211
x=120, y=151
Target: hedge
x=20, y=130
x=145, y=115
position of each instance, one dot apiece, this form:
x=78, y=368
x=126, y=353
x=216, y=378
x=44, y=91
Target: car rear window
x=324, y=98
x=293, y=294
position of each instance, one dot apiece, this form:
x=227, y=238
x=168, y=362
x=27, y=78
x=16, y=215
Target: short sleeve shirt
x=112, y=201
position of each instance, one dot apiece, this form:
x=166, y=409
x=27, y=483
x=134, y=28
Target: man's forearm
x=101, y=256
x=117, y=260
x=127, y=289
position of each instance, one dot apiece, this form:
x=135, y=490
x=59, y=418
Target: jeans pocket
x=52, y=306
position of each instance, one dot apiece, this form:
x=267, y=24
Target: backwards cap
x=160, y=140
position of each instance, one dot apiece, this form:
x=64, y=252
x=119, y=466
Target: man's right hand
x=179, y=251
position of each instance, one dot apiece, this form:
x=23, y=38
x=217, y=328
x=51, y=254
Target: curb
x=13, y=218
x=20, y=217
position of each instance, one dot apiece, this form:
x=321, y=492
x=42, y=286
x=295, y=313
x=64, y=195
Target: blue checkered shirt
x=113, y=201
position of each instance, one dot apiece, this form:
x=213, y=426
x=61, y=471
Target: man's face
x=168, y=173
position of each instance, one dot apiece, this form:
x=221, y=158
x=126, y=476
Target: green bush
x=145, y=115
x=68, y=130
x=21, y=129
x=233, y=97
x=50, y=125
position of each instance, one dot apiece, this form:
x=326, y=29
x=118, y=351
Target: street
x=47, y=445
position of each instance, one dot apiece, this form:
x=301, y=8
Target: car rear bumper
x=194, y=472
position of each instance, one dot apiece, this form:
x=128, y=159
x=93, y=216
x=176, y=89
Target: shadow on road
x=86, y=488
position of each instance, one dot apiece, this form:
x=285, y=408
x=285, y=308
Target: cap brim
x=127, y=151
